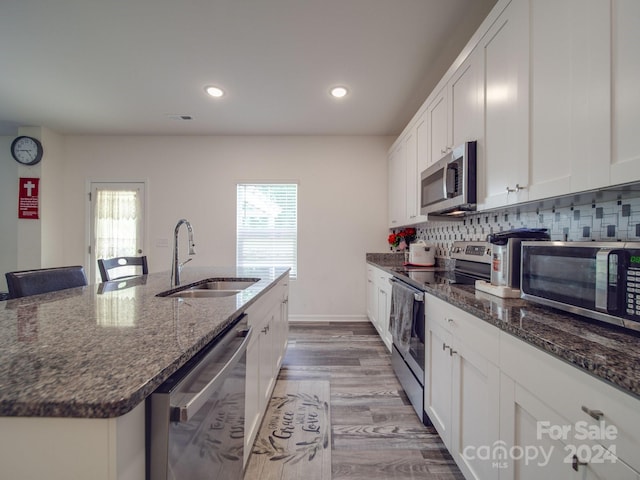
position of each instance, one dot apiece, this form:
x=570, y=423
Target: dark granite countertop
x=607, y=352
x=94, y=353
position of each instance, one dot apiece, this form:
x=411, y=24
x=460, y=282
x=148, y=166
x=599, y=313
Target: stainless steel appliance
x=472, y=261
x=505, y=254
x=448, y=187
x=196, y=422
x=407, y=325
x=600, y=280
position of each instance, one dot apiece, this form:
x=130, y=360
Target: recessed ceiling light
x=214, y=91
x=339, y=92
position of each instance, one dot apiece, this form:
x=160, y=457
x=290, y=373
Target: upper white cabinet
x=570, y=96
x=505, y=54
x=625, y=158
x=397, y=192
x=438, y=126
x=454, y=115
x=549, y=89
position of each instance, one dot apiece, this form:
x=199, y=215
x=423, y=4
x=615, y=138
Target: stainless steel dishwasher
x=196, y=420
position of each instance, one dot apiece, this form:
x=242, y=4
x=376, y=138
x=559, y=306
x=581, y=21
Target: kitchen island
x=76, y=366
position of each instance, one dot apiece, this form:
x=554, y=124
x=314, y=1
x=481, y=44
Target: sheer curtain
x=116, y=217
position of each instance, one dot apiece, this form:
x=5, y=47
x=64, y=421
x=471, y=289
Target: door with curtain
x=117, y=222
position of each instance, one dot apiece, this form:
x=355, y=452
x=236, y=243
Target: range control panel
x=479, y=252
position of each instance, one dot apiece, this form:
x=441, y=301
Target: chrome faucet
x=177, y=266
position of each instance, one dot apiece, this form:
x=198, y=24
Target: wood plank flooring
x=376, y=435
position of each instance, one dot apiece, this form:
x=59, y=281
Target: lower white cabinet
x=507, y=410
x=462, y=384
x=577, y=420
x=269, y=320
x=379, y=302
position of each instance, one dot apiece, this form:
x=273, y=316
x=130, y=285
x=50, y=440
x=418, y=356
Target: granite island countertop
x=607, y=352
x=98, y=351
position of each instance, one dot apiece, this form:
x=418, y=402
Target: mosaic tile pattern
x=607, y=221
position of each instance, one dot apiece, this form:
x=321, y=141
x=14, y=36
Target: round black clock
x=27, y=150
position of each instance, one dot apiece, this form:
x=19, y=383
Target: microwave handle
x=450, y=181
x=602, y=279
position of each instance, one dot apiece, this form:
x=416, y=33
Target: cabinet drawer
x=474, y=333
x=568, y=390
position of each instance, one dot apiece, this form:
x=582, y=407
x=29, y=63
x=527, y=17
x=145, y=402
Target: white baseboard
x=327, y=318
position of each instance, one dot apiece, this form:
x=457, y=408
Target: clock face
x=26, y=150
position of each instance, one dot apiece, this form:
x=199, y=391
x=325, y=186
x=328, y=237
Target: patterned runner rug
x=294, y=441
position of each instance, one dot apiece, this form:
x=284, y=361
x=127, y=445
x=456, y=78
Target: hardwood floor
x=376, y=435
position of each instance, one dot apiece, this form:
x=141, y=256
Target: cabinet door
x=505, y=53
x=384, y=309
x=475, y=418
x=466, y=98
x=548, y=442
x=570, y=100
x=411, y=171
x=438, y=127
x=372, y=296
x=397, y=193
x=438, y=379
x=625, y=164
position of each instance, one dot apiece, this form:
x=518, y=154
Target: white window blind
x=267, y=226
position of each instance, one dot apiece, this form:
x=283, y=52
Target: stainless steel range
x=472, y=261
x=407, y=322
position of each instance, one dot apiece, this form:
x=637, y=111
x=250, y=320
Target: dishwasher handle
x=183, y=413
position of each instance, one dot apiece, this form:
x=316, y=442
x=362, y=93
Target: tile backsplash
x=617, y=220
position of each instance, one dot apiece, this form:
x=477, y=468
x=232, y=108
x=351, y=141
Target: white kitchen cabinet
x=505, y=57
x=411, y=172
x=455, y=113
x=625, y=159
x=570, y=96
x=397, y=177
x=269, y=320
x=545, y=404
x=379, y=302
x=462, y=382
x=438, y=126
x=466, y=101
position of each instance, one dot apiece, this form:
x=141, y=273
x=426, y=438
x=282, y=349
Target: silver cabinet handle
x=576, y=463
x=515, y=190
x=595, y=414
x=183, y=413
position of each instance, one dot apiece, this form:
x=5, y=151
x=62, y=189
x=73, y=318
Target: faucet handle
x=182, y=264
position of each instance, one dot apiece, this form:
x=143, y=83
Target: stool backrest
x=32, y=282
x=112, y=268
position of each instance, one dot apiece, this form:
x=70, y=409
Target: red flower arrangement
x=403, y=238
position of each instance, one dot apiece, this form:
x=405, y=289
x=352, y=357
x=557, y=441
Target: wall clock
x=27, y=150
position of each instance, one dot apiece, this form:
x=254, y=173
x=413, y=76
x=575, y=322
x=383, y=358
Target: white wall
x=342, y=202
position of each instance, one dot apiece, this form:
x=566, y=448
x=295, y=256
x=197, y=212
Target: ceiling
x=126, y=66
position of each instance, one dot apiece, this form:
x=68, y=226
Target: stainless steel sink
x=211, y=288
x=224, y=285
x=198, y=293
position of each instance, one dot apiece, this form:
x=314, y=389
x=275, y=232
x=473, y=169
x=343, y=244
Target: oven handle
x=417, y=294
x=183, y=413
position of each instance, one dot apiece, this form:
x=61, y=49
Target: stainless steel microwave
x=448, y=187
x=600, y=280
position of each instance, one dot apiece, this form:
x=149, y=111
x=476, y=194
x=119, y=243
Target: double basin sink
x=211, y=288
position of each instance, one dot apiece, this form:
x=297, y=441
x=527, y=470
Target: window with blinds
x=267, y=226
